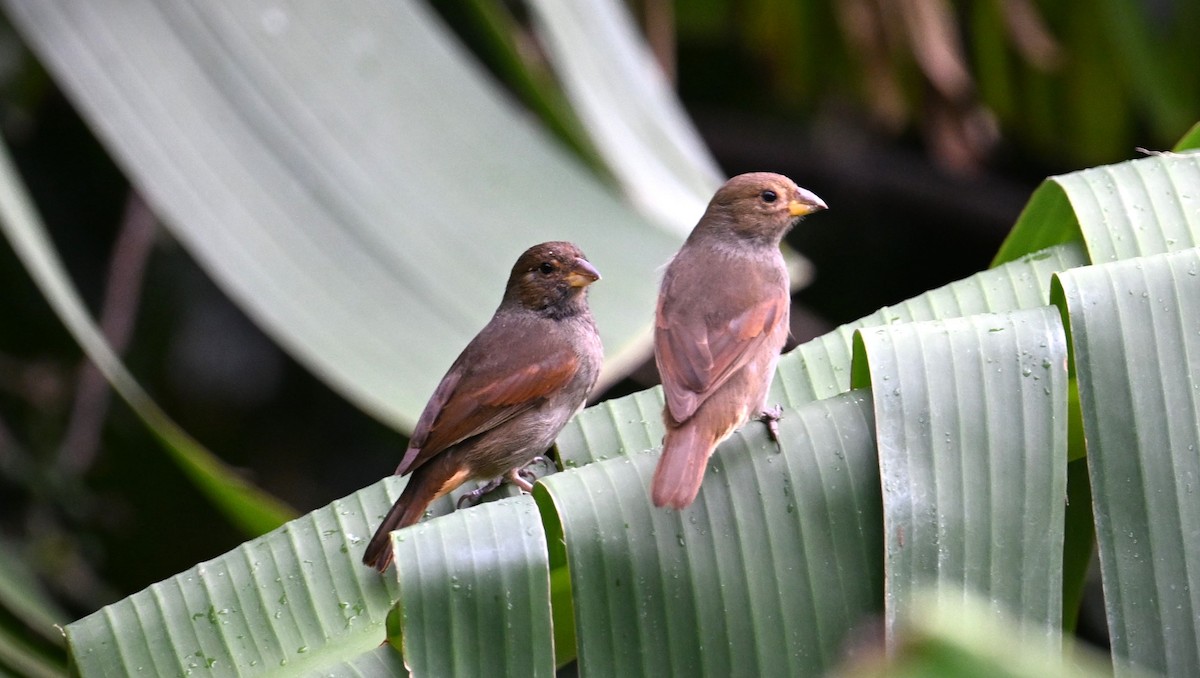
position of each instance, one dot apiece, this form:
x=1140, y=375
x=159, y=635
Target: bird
x=509, y=393
x=720, y=324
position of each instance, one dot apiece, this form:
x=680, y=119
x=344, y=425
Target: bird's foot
x=517, y=476
x=523, y=477
x=771, y=416
x=526, y=473
x=472, y=498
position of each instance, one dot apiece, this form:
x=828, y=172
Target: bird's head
x=551, y=278
x=759, y=206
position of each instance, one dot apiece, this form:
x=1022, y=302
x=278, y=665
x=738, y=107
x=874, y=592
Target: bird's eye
x=546, y=268
x=768, y=196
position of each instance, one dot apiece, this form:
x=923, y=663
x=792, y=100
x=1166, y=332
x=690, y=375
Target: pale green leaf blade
x=1134, y=208
x=31, y=644
x=1146, y=206
x=629, y=108
x=243, y=503
x=1135, y=335
x=382, y=662
x=22, y=597
x=620, y=426
x=16, y=655
x=297, y=600
x=964, y=637
x=970, y=418
x=346, y=174
x=820, y=368
x=475, y=592
x=765, y=574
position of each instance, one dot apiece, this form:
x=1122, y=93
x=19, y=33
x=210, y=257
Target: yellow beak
x=583, y=274
x=807, y=202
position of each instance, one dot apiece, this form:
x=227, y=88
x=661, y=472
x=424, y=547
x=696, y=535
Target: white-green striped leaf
x=765, y=574
x=475, y=593
x=31, y=644
x=1135, y=335
x=821, y=367
x=1134, y=208
x=382, y=662
x=293, y=601
x=970, y=415
x=964, y=636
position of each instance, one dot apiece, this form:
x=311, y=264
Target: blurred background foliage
x=925, y=124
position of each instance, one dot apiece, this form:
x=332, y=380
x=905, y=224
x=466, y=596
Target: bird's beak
x=806, y=202
x=583, y=274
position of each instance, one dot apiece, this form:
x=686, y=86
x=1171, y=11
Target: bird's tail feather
x=681, y=468
x=426, y=484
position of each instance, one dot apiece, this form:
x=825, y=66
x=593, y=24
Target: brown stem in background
x=934, y=40
x=871, y=37
x=1030, y=35
x=122, y=296
x=659, y=17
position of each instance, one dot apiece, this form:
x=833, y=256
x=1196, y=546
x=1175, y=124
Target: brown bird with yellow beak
x=721, y=322
x=510, y=391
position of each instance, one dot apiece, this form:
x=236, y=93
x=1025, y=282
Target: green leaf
x=242, y=503
x=1134, y=208
x=23, y=597
x=299, y=600
x=618, y=427
x=1190, y=141
x=296, y=600
x=765, y=574
x=970, y=417
x=962, y=636
x=821, y=367
x=1135, y=341
x=382, y=661
x=475, y=593
x=352, y=179
x=31, y=644
x=16, y=655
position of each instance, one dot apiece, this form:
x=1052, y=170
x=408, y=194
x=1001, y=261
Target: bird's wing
x=481, y=392
x=696, y=353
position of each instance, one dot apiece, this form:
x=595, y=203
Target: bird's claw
x=522, y=477
x=771, y=416
x=472, y=498
x=517, y=477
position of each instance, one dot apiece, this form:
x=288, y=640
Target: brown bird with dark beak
x=722, y=320
x=510, y=391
